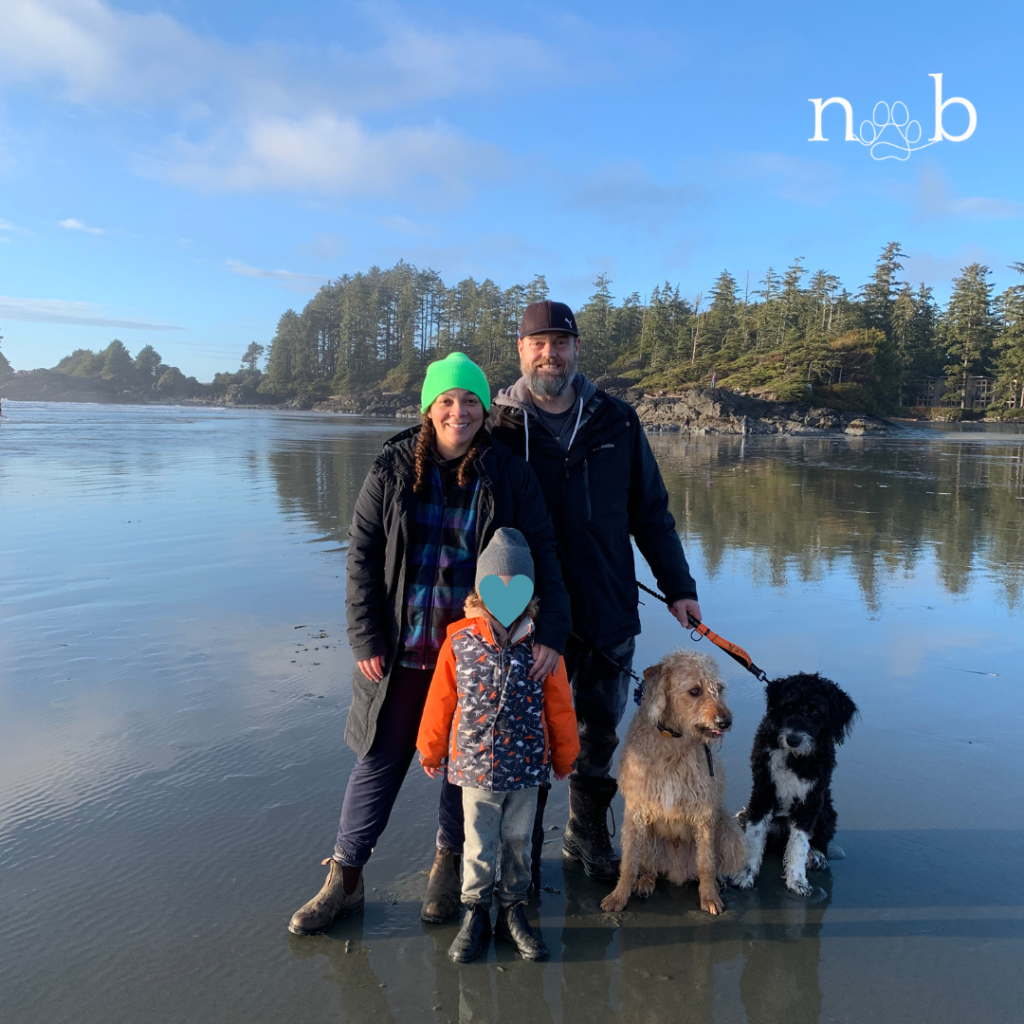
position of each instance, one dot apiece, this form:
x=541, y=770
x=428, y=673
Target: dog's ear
x=773, y=693
x=842, y=711
x=655, y=699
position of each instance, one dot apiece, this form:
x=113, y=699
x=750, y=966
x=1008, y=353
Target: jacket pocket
x=586, y=485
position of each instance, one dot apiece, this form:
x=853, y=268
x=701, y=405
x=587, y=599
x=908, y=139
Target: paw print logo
x=893, y=135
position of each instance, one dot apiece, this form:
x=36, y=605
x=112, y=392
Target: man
x=602, y=485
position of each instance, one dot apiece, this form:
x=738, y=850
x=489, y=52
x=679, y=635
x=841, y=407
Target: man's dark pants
x=600, y=683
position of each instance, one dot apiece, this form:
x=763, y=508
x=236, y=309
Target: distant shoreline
x=698, y=412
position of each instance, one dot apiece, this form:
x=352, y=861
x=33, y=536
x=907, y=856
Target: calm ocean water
x=174, y=685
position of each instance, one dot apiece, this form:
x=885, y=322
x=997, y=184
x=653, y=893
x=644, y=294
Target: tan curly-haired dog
x=673, y=783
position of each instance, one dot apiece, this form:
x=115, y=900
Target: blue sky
x=180, y=173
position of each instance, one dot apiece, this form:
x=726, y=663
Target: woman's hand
x=372, y=668
x=433, y=772
x=545, y=661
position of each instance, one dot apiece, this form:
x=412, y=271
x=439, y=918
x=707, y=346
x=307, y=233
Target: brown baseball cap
x=539, y=317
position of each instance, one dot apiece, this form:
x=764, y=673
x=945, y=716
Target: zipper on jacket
x=586, y=485
x=433, y=579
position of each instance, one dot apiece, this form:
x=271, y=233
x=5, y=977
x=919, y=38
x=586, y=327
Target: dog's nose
x=723, y=722
x=792, y=739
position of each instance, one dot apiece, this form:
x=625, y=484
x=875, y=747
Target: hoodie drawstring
x=526, y=428
x=579, y=416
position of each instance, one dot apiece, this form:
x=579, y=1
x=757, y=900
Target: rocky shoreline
x=698, y=411
x=716, y=411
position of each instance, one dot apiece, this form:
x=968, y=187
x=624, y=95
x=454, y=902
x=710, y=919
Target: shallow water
x=175, y=682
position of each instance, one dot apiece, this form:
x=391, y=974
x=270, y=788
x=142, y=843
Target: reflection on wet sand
x=172, y=761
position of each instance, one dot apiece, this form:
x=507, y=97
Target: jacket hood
x=518, y=396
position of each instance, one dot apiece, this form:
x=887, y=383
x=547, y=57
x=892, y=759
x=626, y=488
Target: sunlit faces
x=457, y=415
x=548, y=361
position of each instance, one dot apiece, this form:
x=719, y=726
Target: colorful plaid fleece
x=441, y=569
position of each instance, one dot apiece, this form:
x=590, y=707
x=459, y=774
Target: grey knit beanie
x=506, y=554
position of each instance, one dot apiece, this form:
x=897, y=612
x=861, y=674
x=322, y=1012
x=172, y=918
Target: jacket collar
x=484, y=625
x=519, y=397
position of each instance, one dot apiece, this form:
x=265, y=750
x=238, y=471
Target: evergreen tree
x=878, y=296
x=969, y=325
x=1009, y=345
x=595, y=322
x=147, y=363
x=5, y=366
x=117, y=360
x=252, y=356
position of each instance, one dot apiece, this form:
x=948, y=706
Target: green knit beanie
x=456, y=370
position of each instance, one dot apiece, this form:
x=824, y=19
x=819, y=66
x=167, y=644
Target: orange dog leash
x=699, y=630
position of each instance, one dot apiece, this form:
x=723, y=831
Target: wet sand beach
x=175, y=680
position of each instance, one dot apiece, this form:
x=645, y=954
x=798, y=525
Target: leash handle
x=734, y=651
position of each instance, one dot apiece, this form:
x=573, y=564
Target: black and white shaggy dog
x=792, y=761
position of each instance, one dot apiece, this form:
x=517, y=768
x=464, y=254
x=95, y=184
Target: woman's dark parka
x=379, y=539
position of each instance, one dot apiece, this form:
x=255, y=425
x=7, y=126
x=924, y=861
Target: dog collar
x=666, y=731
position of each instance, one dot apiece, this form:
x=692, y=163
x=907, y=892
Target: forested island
x=362, y=343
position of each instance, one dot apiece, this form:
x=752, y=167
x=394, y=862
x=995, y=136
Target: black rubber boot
x=586, y=837
x=473, y=936
x=537, y=841
x=444, y=887
x=513, y=927
x=342, y=894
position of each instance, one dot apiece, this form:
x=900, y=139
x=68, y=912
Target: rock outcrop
x=716, y=411
x=373, y=403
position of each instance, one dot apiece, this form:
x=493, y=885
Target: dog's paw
x=817, y=861
x=613, y=903
x=644, y=886
x=799, y=886
x=743, y=879
x=712, y=904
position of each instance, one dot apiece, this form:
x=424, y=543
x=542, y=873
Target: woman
x=429, y=505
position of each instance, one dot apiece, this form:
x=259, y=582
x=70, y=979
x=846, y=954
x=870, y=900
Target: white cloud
x=288, y=278
x=76, y=225
x=324, y=152
x=934, y=200
x=244, y=111
x=65, y=311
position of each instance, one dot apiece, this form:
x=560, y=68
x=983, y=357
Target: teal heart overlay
x=506, y=603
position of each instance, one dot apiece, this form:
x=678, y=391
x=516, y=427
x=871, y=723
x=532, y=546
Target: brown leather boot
x=341, y=895
x=444, y=889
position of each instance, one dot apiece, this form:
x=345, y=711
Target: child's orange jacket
x=498, y=729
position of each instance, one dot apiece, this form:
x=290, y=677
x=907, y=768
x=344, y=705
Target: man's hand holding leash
x=683, y=609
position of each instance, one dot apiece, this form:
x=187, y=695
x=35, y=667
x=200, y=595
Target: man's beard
x=548, y=384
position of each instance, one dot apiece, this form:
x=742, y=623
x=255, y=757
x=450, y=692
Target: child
x=500, y=733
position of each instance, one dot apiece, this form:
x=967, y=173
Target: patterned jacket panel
x=499, y=729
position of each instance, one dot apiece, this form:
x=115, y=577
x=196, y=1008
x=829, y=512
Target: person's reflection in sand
x=509, y=990
x=781, y=949
x=362, y=996
x=588, y=935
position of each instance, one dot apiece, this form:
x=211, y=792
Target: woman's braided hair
x=426, y=443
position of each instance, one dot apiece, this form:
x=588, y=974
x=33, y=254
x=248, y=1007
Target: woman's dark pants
x=378, y=776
